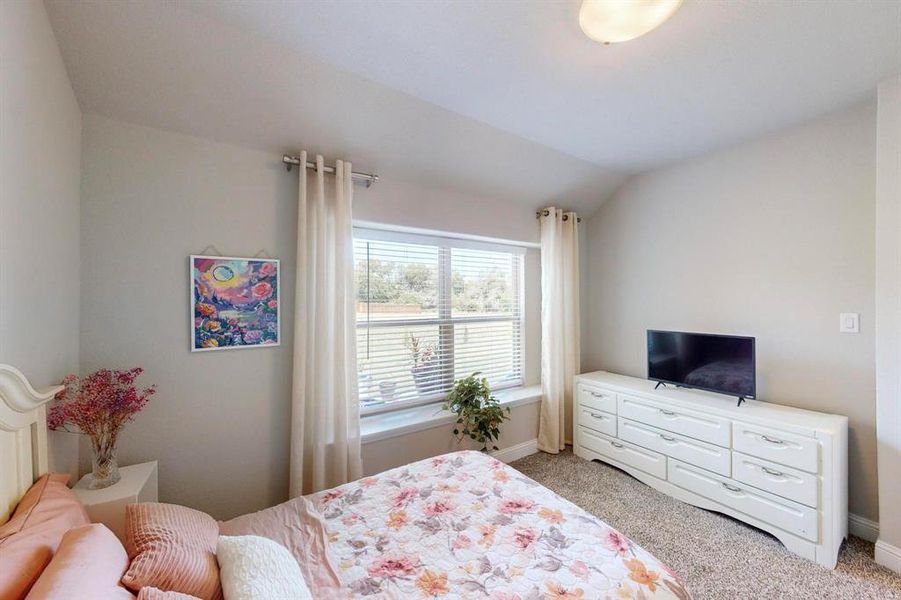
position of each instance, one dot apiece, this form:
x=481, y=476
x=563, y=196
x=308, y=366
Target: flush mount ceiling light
x=611, y=21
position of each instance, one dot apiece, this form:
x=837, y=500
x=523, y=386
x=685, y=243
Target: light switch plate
x=849, y=323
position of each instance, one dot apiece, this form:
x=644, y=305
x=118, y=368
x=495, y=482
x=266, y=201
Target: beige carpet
x=717, y=557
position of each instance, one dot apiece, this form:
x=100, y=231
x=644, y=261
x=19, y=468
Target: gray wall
x=40, y=161
x=772, y=238
x=380, y=455
x=40, y=181
x=219, y=423
x=888, y=305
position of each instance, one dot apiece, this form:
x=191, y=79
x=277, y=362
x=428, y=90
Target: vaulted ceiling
x=501, y=99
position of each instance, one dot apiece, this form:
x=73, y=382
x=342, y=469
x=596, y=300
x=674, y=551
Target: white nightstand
x=107, y=506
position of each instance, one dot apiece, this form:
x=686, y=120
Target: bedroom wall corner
x=40, y=183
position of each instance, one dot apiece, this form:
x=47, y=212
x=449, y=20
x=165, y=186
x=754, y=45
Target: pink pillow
x=87, y=566
x=152, y=593
x=172, y=548
x=29, y=539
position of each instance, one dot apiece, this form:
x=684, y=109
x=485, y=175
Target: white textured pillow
x=253, y=567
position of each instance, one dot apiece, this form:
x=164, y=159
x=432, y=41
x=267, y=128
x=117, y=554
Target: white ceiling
x=448, y=92
x=717, y=72
x=159, y=65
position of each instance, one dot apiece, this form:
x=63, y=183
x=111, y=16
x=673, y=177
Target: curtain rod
x=367, y=178
x=546, y=213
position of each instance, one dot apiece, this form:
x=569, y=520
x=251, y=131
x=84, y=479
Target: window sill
x=388, y=425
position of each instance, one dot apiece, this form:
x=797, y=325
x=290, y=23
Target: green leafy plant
x=479, y=414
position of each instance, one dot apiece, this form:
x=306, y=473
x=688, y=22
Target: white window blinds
x=432, y=310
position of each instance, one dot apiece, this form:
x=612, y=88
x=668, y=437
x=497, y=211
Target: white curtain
x=325, y=412
x=559, y=323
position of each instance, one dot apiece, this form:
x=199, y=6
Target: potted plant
x=422, y=370
x=100, y=405
x=479, y=414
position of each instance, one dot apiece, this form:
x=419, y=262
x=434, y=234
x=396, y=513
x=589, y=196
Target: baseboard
x=863, y=527
x=516, y=452
x=888, y=556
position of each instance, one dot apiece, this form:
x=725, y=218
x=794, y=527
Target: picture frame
x=235, y=302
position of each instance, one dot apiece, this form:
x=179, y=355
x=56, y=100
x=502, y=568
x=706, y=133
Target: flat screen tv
x=715, y=363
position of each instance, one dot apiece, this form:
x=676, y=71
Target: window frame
x=445, y=242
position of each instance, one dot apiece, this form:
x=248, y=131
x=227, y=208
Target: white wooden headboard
x=23, y=436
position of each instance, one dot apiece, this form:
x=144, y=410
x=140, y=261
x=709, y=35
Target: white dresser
x=781, y=469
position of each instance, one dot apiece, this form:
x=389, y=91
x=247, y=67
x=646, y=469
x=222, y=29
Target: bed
x=462, y=525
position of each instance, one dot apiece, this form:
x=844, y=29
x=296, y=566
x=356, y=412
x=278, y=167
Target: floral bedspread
x=465, y=525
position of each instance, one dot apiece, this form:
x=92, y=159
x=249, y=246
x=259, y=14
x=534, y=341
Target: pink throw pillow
x=87, y=566
x=31, y=536
x=151, y=593
x=172, y=548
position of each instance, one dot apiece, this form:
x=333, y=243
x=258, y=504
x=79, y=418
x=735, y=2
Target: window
x=432, y=310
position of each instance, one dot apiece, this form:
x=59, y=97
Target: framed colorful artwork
x=234, y=303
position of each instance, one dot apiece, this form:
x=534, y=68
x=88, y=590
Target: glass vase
x=105, y=466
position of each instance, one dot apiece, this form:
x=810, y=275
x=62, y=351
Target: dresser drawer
x=707, y=456
x=783, y=481
x=787, y=515
x=783, y=448
x=693, y=424
x=628, y=454
x=597, y=420
x=597, y=398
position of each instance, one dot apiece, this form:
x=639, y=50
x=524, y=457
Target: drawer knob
x=668, y=413
x=598, y=416
x=616, y=444
x=772, y=472
x=668, y=438
x=770, y=440
x=598, y=395
x=731, y=488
